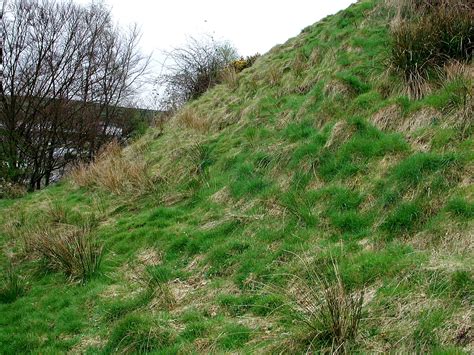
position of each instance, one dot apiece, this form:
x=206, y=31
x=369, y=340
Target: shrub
x=228, y=75
x=72, y=251
x=11, y=190
x=194, y=69
x=114, y=172
x=244, y=63
x=429, y=34
x=12, y=287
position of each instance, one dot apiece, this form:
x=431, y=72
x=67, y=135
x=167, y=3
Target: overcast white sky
x=250, y=25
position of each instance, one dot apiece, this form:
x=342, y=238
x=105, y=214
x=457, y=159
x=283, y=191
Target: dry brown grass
x=299, y=64
x=387, y=118
x=464, y=73
x=229, y=77
x=190, y=119
x=274, y=75
x=340, y=133
x=11, y=190
x=114, y=172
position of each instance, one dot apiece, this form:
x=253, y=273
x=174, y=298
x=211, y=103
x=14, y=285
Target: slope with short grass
x=307, y=205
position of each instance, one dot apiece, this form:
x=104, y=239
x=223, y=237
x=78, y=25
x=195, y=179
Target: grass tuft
x=138, y=334
x=330, y=312
x=72, y=251
x=12, y=287
x=461, y=208
x=426, y=36
x=114, y=172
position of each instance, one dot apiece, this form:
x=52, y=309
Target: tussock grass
x=427, y=35
x=12, y=286
x=191, y=119
x=461, y=208
x=113, y=171
x=71, y=250
x=330, y=312
x=138, y=334
x=229, y=77
x=199, y=156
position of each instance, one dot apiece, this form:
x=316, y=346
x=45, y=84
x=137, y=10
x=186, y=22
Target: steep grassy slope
x=312, y=156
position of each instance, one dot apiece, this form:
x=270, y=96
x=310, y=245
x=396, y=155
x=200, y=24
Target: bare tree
x=191, y=70
x=68, y=72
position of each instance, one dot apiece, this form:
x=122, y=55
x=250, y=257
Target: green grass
x=294, y=172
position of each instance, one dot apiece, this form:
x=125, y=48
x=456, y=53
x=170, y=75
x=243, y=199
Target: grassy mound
x=307, y=205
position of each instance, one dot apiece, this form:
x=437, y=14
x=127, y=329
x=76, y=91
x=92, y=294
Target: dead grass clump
x=72, y=251
x=340, y=133
x=455, y=69
x=335, y=89
x=300, y=63
x=422, y=118
x=387, y=117
x=189, y=118
x=229, y=77
x=113, y=171
x=464, y=75
x=274, y=75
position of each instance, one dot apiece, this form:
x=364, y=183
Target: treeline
x=68, y=73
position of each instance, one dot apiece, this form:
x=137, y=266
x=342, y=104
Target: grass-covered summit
x=307, y=204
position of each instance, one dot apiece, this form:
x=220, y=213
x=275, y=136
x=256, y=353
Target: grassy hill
x=307, y=204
